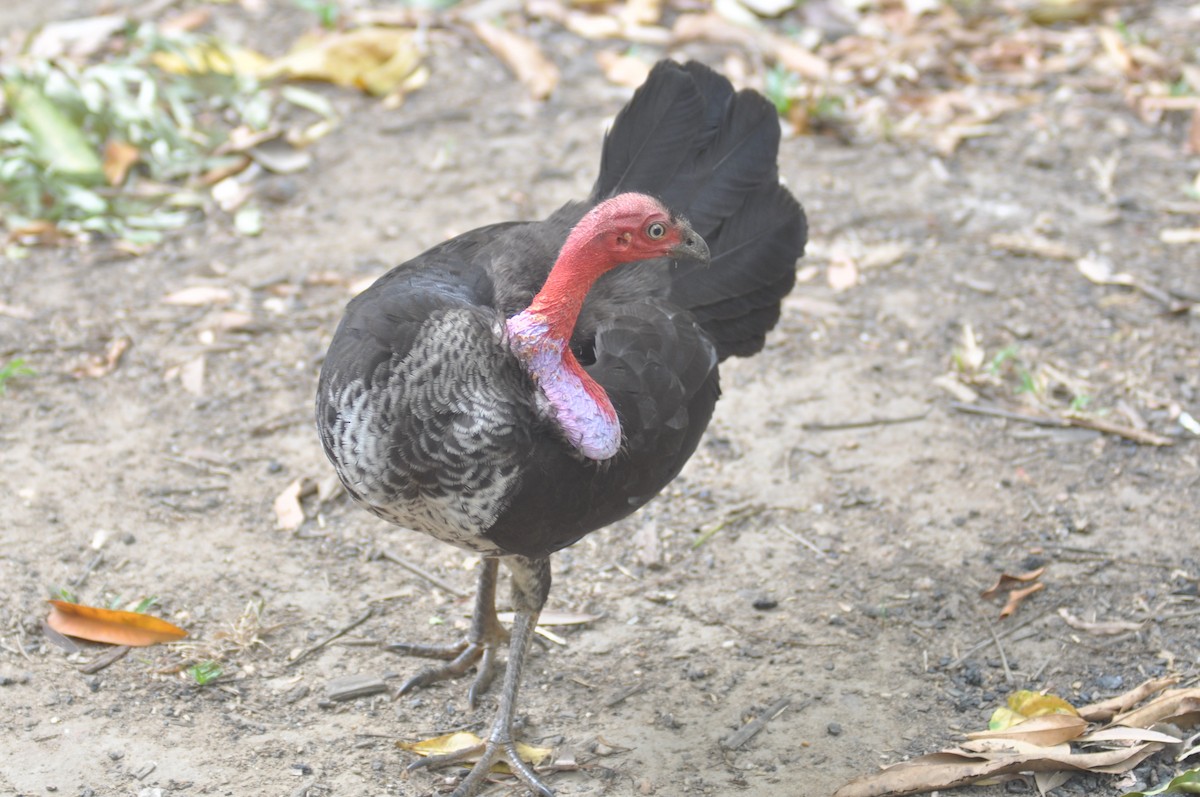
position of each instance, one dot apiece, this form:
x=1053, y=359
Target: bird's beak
x=691, y=246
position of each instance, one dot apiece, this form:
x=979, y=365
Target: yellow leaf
x=111, y=626
x=213, y=58
x=1024, y=704
x=465, y=740
x=376, y=60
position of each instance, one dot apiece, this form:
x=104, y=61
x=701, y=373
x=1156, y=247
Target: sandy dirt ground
x=826, y=546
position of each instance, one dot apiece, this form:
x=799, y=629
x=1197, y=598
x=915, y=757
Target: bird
x=524, y=384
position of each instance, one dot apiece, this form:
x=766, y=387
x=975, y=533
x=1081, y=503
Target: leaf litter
x=1042, y=735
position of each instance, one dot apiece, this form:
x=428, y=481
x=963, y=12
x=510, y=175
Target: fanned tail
x=709, y=153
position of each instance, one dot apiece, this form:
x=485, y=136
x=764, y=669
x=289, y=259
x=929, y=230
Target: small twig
x=304, y=654
x=835, y=426
x=396, y=559
x=626, y=693
x=748, y=731
x=87, y=571
x=110, y=657
x=1008, y=676
x=1128, y=432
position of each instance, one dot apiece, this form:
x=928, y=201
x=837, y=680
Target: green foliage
x=205, y=672
x=62, y=115
x=326, y=11
x=64, y=594
x=11, y=370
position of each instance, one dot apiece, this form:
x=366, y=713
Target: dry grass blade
x=111, y=626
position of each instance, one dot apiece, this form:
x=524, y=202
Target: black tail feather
x=710, y=155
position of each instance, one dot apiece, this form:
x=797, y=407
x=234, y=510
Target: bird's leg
x=531, y=585
x=479, y=647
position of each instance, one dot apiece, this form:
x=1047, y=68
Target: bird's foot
x=488, y=753
x=463, y=656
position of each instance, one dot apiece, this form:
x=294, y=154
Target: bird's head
x=624, y=229
x=632, y=227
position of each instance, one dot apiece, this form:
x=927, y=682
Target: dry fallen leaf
x=1045, y=730
x=842, y=274
x=377, y=60
x=1106, y=709
x=1017, y=596
x=464, y=740
x=1008, y=581
x=980, y=759
x=111, y=626
x=1100, y=629
x=623, y=70
x=119, y=157
x=522, y=56
x=1178, y=706
x=213, y=58
x=552, y=617
x=1025, y=704
x=289, y=514
x=98, y=366
x=1033, y=245
x=191, y=375
x=199, y=295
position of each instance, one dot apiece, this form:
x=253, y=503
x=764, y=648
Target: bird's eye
x=656, y=230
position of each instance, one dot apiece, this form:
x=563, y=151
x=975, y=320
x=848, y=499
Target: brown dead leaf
x=1109, y=628
x=1106, y=709
x=522, y=56
x=1008, y=581
x=119, y=157
x=111, y=626
x=103, y=365
x=1178, y=706
x=980, y=759
x=1044, y=731
x=712, y=27
x=1017, y=596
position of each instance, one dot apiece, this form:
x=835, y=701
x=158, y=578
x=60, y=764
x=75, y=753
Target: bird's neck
x=540, y=337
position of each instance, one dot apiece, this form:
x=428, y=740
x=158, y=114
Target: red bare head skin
x=624, y=229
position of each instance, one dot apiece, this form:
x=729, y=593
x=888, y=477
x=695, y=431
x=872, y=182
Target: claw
x=489, y=753
x=479, y=648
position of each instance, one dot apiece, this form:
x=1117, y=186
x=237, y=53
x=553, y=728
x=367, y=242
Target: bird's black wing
x=660, y=372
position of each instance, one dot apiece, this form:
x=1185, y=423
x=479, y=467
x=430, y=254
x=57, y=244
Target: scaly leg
x=479, y=647
x=531, y=585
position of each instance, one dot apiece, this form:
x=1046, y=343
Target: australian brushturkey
x=526, y=383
